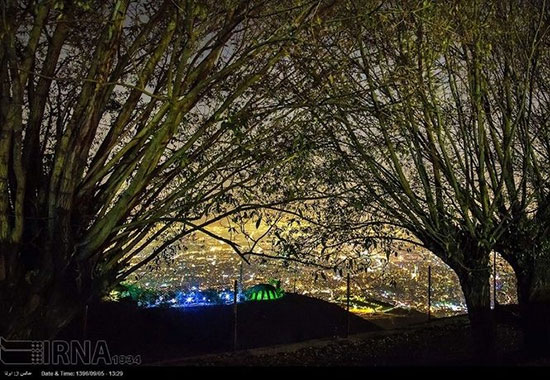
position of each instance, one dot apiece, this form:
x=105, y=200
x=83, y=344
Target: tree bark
x=533, y=287
x=33, y=312
x=48, y=317
x=38, y=298
x=476, y=288
x=470, y=261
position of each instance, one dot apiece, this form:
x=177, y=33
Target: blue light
x=192, y=298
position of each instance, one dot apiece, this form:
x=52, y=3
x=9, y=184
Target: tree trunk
x=37, y=303
x=470, y=261
x=39, y=313
x=476, y=289
x=47, y=319
x=533, y=282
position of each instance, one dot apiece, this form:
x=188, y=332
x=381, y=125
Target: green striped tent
x=262, y=292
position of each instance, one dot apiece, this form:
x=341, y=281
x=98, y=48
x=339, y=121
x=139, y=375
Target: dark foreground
x=445, y=342
x=297, y=331
x=166, y=334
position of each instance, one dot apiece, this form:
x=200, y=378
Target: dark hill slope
x=160, y=334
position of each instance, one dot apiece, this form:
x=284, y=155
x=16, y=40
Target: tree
x=404, y=107
x=122, y=123
x=515, y=104
x=438, y=111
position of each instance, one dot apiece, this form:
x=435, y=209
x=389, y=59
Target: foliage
x=125, y=123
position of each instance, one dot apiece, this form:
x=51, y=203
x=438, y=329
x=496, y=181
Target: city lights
x=401, y=282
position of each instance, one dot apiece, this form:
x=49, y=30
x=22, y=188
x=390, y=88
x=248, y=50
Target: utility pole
x=429, y=292
x=494, y=280
x=235, y=301
x=241, y=279
x=347, y=306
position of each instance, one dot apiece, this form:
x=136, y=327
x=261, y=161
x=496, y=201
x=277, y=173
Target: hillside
x=164, y=334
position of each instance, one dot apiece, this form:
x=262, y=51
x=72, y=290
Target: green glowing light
x=263, y=292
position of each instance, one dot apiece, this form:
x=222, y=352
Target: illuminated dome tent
x=263, y=292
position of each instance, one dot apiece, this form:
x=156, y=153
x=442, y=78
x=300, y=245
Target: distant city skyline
x=210, y=264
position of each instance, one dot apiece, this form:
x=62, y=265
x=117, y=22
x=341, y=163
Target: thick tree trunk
x=32, y=312
x=533, y=282
x=40, y=318
x=37, y=301
x=470, y=261
x=476, y=289
x=38, y=306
